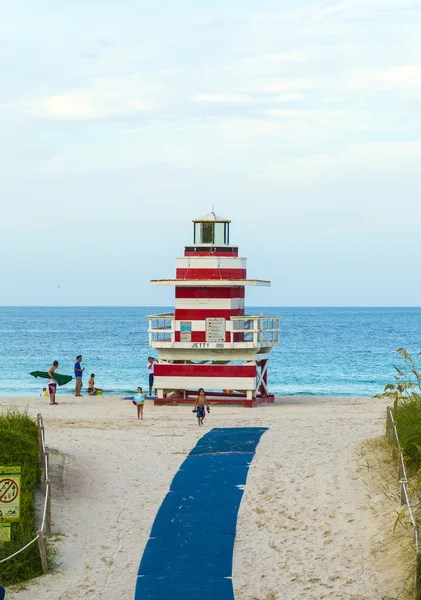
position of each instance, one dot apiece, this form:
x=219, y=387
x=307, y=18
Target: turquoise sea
x=323, y=351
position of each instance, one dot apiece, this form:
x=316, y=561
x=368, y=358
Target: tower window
x=208, y=232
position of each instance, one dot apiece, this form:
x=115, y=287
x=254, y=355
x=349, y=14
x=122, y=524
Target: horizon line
x=169, y=306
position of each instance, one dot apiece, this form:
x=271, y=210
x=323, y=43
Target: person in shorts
x=92, y=390
x=151, y=368
x=52, y=383
x=78, y=375
x=199, y=407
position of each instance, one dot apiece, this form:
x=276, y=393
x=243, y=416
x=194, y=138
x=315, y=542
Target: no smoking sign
x=9, y=494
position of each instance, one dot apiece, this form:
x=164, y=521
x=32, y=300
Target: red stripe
x=167, y=370
x=200, y=336
x=193, y=314
x=211, y=273
x=186, y=253
x=238, y=337
x=209, y=292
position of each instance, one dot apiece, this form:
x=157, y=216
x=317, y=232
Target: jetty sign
x=9, y=494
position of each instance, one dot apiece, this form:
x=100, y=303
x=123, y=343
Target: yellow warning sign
x=5, y=532
x=9, y=494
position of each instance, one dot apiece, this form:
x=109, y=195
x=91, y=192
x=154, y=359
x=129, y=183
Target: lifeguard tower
x=209, y=341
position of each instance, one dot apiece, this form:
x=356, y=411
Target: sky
x=122, y=121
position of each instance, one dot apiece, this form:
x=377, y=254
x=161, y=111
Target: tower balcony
x=240, y=332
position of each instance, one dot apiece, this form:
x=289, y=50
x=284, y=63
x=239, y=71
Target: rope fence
x=45, y=527
x=397, y=453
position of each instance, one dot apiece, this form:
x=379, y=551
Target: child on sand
x=92, y=390
x=44, y=392
x=139, y=401
x=199, y=406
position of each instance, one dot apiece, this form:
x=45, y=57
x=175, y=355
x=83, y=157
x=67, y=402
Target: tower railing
x=245, y=331
x=161, y=328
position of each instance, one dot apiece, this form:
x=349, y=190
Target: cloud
x=376, y=159
x=86, y=105
x=406, y=77
x=291, y=85
x=106, y=98
x=281, y=57
x=362, y=8
x=290, y=97
x=224, y=98
x=224, y=22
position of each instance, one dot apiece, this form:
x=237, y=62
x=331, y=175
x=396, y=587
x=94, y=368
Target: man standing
x=52, y=383
x=151, y=369
x=78, y=375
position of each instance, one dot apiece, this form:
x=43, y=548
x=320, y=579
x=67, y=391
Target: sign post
x=4, y=532
x=9, y=494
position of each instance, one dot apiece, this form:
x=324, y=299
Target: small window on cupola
x=211, y=230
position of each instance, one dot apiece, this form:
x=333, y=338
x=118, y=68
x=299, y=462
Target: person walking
x=78, y=375
x=199, y=406
x=52, y=383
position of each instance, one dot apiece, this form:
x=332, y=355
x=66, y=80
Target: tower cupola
x=211, y=230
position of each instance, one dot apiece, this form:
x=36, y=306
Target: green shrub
x=405, y=391
x=408, y=423
x=407, y=380
x=19, y=447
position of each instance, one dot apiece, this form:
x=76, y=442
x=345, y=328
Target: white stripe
x=210, y=262
x=215, y=282
x=214, y=383
x=200, y=325
x=209, y=303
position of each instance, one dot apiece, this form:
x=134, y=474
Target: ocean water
x=322, y=351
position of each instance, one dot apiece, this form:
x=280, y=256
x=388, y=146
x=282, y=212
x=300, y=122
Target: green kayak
x=61, y=379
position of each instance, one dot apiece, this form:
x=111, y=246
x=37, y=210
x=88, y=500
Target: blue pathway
x=189, y=553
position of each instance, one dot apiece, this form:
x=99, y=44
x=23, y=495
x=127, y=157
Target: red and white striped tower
x=209, y=341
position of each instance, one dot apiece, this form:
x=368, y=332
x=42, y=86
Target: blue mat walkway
x=189, y=553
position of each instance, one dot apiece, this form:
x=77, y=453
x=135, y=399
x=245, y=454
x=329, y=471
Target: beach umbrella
x=61, y=379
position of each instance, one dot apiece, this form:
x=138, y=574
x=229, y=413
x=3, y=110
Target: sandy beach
x=311, y=524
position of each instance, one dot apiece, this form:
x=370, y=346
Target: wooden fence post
x=418, y=578
x=401, y=473
x=40, y=427
x=46, y=469
x=48, y=511
x=42, y=551
x=403, y=497
x=395, y=442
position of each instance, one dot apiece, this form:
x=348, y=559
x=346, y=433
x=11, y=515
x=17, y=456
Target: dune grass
x=405, y=392
x=19, y=447
x=408, y=423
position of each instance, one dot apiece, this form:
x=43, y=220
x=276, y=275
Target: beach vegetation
x=406, y=383
x=19, y=447
x=405, y=392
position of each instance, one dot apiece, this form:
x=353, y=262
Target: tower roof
x=212, y=217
